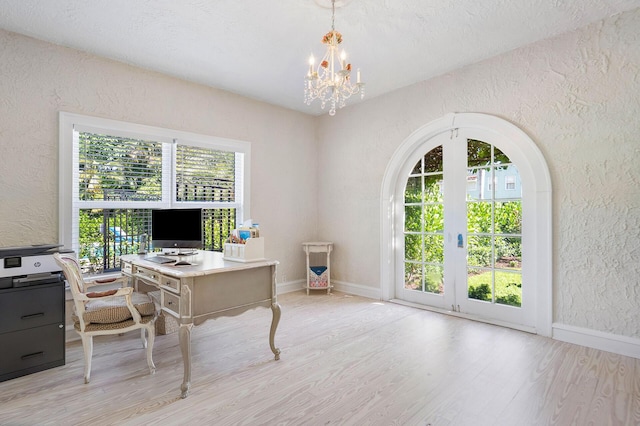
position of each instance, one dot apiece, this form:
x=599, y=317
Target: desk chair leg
x=87, y=345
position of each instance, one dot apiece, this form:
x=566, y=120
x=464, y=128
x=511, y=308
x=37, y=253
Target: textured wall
x=37, y=80
x=578, y=97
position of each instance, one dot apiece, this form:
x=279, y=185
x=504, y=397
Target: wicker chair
x=113, y=311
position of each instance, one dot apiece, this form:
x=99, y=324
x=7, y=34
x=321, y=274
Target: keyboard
x=160, y=259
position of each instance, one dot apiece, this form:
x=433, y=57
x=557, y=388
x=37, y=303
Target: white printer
x=29, y=265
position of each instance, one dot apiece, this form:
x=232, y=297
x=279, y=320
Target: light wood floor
x=345, y=361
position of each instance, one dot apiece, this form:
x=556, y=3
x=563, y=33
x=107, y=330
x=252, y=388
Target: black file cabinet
x=31, y=329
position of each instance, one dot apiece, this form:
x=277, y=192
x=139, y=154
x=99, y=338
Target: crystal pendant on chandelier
x=331, y=80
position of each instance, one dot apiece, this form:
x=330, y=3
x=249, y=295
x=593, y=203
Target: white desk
x=211, y=287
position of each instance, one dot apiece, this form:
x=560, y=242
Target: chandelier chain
x=333, y=15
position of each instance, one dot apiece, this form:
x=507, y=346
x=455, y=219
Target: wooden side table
x=318, y=276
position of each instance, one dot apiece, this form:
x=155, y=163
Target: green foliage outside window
x=89, y=235
x=508, y=287
x=494, y=227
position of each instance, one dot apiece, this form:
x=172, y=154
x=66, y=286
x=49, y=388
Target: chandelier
x=331, y=80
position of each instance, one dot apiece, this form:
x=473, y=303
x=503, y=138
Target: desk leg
x=185, y=346
x=275, y=309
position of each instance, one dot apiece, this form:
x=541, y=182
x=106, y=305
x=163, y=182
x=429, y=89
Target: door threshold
x=519, y=327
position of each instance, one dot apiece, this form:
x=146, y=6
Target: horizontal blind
x=112, y=168
x=204, y=174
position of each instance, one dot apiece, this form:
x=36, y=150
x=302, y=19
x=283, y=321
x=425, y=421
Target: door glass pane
x=412, y=247
x=508, y=184
x=413, y=276
x=479, y=183
x=434, y=248
x=478, y=153
x=499, y=157
x=508, y=217
x=413, y=218
x=480, y=284
x=480, y=251
x=479, y=217
x=434, y=218
x=433, y=188
x=413, y=190
x=417, y=169
x=508, y=288
x=508, y=253
x=434, y=279
x=433, y=160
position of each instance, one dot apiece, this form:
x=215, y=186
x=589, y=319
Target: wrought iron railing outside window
x=107, y=234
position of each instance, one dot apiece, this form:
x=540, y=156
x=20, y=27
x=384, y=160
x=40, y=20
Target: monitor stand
x=179, y=252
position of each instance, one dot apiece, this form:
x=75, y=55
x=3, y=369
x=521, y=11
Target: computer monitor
x=176, y=229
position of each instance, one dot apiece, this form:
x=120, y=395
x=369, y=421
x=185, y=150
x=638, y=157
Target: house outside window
x=114, y=173
x=472, y=183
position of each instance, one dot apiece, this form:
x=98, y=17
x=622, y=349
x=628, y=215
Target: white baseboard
x=621, y=345
x=357, y=289
x=289, y=286
x=344, y=287
x=70, y=334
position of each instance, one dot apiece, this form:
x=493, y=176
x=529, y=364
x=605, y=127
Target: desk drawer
x=171, y=302
x=126, y=268
x=147, y=275
x=170, y=283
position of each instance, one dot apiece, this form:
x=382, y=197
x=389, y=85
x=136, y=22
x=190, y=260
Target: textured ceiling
x=260, y=48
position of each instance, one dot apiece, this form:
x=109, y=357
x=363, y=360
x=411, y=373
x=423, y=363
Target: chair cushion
x=114, y=309
x=112, y=326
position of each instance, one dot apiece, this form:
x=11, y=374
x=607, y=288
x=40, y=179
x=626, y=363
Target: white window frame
x=71, y=124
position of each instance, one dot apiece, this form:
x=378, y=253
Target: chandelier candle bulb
x=358, y=76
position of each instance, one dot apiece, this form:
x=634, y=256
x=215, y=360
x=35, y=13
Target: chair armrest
x=122, y=291
x=105, y=281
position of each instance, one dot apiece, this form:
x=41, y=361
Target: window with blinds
x=204, y=174
x=118, y=172
x=112, y=168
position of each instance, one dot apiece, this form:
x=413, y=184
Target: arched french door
x=466, y=223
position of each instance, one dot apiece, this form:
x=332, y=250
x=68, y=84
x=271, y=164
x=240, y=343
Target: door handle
x=39, y=314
